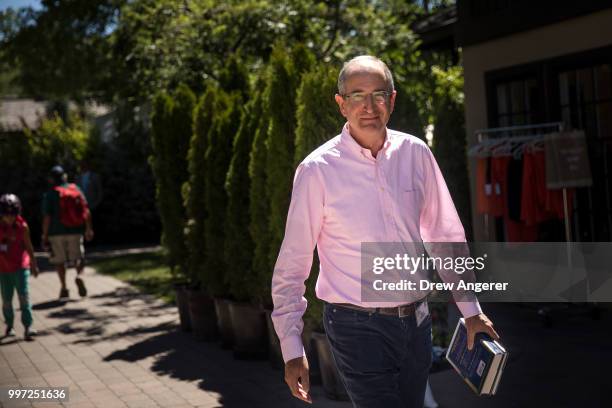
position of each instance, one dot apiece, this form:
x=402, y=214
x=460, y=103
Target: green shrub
x=406, y=117
x=259, y=210
x=449, y=143
x=26, y=158
x=280, y=98
x=239, y=245
x=195, y=193
x=171, y=132
x=218, y=155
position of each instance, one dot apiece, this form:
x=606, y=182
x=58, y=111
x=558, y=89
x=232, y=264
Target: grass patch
x=146, y=272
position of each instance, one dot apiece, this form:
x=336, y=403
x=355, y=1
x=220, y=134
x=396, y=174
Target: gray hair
x=344, y=72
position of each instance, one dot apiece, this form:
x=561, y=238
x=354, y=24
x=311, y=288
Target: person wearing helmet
x=66, y=221
x=16, y=259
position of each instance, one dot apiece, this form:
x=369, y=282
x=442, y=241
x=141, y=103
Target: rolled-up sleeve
x=440, y=223
x=304, y=221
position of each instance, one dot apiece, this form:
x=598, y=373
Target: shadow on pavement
x=52, y=304
x=237, y=384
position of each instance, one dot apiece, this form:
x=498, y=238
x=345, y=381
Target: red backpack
x=73, y=206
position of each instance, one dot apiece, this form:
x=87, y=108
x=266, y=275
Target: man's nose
x=369, y=103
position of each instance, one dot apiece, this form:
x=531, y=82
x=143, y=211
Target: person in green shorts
x=16, y=259
x=66, y=221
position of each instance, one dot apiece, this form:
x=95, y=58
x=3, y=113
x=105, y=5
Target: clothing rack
x=511, y=133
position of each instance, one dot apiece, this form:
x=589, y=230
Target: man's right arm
x=292, y=268
x=304, y=221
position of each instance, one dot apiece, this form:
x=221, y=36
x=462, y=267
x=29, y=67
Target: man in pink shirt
x=368, y=184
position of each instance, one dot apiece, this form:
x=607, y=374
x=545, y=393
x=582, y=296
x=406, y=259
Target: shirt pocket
x=411, y=201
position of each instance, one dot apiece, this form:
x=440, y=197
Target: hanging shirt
x=13, y=254
x=343, y=196
x=499, y=185
x=483, y=185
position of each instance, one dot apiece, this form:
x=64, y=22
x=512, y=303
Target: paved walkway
x=120, y=348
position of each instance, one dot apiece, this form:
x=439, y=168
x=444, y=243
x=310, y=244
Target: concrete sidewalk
x=120, y=348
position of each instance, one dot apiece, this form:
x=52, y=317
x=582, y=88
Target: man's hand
x=297, y=378
x=89, y=234
x=478, y=324
x=34, y=270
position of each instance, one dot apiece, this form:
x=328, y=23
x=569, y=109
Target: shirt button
x=382, y=189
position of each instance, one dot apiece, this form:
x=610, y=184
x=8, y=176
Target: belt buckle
x=400, y=311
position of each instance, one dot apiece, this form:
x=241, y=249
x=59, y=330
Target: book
x=482, y=367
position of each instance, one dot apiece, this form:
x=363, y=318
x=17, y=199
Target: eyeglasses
x=380, y=97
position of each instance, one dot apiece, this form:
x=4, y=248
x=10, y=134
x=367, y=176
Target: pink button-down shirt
x=343, y=196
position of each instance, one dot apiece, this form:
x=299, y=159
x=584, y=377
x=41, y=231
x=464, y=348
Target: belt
x=399, y=311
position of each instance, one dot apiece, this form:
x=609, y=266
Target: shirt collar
x=347, y=139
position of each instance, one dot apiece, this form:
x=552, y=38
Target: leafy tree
x=318, y=117
x=63, y=49
x=259, y=209
x=280, y=96
x=195, y=192
x=407, y=116
x=218, y=156
x=449, y=138
x=239, y=245
x=171, y=131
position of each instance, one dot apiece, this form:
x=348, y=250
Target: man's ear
x=340, y=102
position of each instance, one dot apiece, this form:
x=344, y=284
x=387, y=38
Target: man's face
x=369, y=116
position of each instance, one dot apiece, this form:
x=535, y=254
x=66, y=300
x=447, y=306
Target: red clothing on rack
x=498, y=200
x=515, y=231
x=538, y=203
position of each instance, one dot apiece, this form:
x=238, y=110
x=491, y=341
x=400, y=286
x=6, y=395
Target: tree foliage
x=259, y=208
x=280, y=97
x=449, y=138
x=218, y=156
x=64, y=48
x=239, y=245
x=195, y=191
x=171, y=132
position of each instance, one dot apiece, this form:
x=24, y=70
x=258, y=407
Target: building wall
x=570, y=36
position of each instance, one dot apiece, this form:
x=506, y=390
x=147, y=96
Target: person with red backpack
x=66, y=220
x=16, y=261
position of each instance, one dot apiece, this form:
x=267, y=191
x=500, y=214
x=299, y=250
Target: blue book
x=481, y=368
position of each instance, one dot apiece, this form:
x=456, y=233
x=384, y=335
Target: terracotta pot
x=203, y=318
x=224, y=322
x=332, y=384
x=249, y=330
x=182, y=303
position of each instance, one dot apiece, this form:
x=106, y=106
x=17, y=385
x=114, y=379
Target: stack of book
x=482, y=367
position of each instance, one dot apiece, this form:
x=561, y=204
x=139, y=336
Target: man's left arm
x=443, y=235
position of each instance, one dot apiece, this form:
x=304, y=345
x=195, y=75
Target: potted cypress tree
x=247, y=315
x=259, y=232
x=200, y=304
x=272, y=165
x=234, y=83
x=170, y=122
x=218, y=155
x=318, y=120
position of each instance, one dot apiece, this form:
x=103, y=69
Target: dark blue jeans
x=383, y=360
